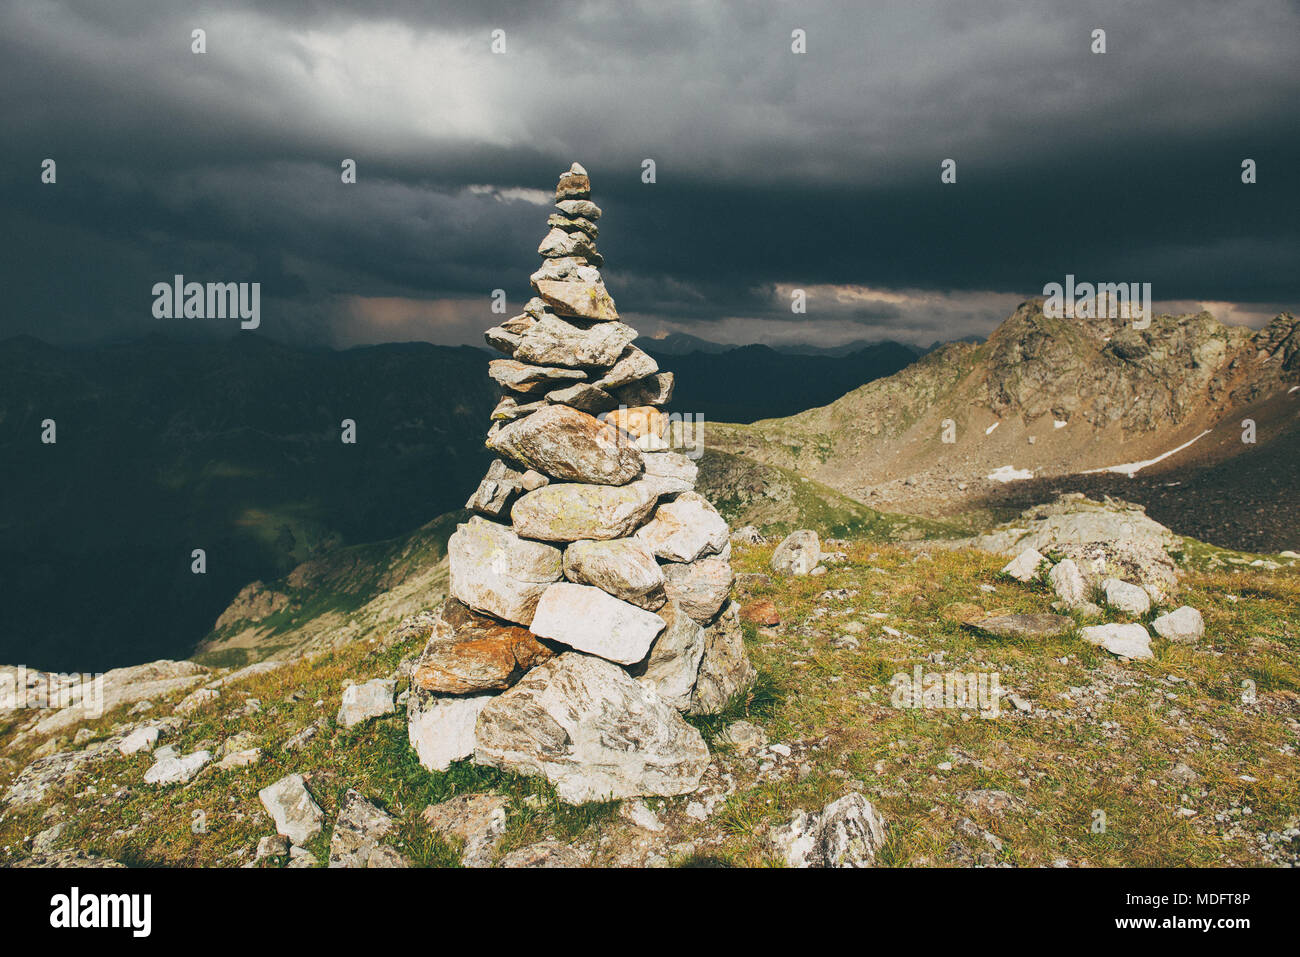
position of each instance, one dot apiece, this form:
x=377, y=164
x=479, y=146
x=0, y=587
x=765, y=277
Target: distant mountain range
x=1205, y=417
x=235, y=447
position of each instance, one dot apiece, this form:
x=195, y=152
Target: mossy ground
x=1102, y=736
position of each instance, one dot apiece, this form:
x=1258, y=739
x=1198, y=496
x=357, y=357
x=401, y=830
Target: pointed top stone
x=574, y=184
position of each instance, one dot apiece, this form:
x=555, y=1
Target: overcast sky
x=775, y=170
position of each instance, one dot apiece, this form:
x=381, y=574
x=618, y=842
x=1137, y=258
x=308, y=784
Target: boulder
x=1127, y=641
x=569, y=512
x=700, y=587
x=578, y=299
x=296, y=815
x=593, y=621
x=441, y=730
x=1143, y=563
x=798, y=554
x=495, y=571
x=685, y=529
x=470, y=653
x=725, y=670
x=358, y=833
x=1126, y=597
x=673, y=664
x=567, y=444
x=523, y=377
x=574, y=343
x=592, y=731
x=1024, y=567
x=1181, y=624
x=371, y=699
x=623, y=567
x=173, y=769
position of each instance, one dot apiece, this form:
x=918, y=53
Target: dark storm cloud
x=775, y=171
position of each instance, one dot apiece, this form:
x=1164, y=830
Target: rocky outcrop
x=592, y=731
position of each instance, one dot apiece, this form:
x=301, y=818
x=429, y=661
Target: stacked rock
x=590, y=593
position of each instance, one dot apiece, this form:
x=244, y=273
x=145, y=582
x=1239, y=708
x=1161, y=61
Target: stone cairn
x=590, y=596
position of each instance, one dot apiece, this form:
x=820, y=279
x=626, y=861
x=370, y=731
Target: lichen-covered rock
x=500, y=487
x=1127, y=641
x=725, y=670
x=798, y=554
x=577, y=298
x=369, y=699
x=592, y=731
x=674, y=471
x=846, y=833
x=631, y=367
x=571, y=511
x=358, y=833
x=567, y=444
x=1068, y=583
x=685, y=529
x=573, y=343
x=622, y=566
x=523, y=377
x=1034, y=625
x=477, y=821
x=297, y=816
x=1024, y=567
x=584, y=397
x=1181, y=624
x=700, y=587
x=1126, y=597
x=673, y=664
x=495, y=571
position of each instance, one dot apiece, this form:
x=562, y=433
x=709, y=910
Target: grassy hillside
x=1185, y=770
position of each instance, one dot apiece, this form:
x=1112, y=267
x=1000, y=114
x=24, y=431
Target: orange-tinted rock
x=761, y=612
x=469, y=652
x=643, y=420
